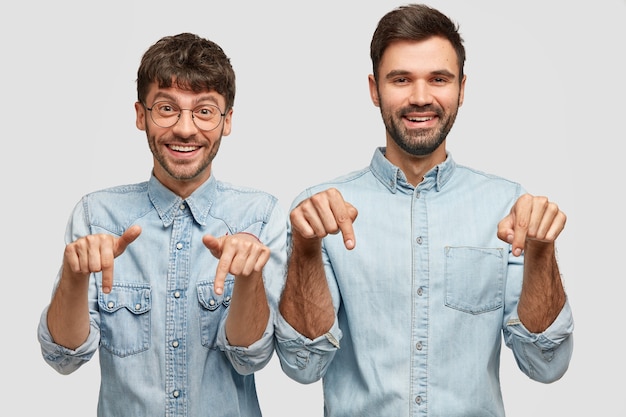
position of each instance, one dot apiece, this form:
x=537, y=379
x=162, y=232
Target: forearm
x=542, y=296
x=68, y=315
x=306, y=302
x=248, y=313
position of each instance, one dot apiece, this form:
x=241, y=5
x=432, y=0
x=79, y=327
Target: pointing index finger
x=345, y=214
x=521, y=219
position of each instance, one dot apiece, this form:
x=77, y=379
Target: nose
x=421, y=94
x=185, y=126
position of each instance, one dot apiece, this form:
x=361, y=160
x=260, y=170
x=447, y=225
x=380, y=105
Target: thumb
x=213, y=244
x=505, y=229
x=508, y=234
x=126, y=239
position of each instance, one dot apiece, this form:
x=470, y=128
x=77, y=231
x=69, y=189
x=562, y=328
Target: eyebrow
x=209, y=97
x=442, y=72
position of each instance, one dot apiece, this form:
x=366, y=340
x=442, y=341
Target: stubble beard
x=182, y=172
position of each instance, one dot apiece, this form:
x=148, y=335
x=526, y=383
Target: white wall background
x=544, y=105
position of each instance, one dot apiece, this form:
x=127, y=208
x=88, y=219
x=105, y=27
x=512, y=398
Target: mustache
x=417, y=109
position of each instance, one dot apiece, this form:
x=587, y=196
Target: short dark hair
x=189, y=61
x=415, y=22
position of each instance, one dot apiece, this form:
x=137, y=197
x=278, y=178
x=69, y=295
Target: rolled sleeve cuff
x=247, y=360
x=62, y=359
x=302, y=359
x=288, y=336
x=552, y=337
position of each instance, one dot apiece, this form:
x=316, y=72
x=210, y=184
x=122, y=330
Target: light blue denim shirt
x=423, y=300
x=160, y=331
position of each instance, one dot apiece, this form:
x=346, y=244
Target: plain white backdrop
x=544, y=105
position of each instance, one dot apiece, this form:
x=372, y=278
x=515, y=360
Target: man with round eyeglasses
x=206, y=117
x=173, y=281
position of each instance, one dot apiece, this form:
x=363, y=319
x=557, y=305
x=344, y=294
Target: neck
x=414, y=167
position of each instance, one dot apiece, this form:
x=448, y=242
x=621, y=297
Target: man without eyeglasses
x=402, y=310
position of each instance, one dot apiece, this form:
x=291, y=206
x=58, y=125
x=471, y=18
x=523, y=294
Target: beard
x=182, y=171
x=418, y=142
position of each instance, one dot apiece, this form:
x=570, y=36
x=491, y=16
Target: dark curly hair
x=190, y=62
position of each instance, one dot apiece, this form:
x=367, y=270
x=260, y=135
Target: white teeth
x=420, y=119
x=180, y=148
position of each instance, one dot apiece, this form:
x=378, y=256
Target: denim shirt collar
x=167, y=203
x=394, y=179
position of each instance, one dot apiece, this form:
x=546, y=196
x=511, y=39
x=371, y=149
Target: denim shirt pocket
x=474, y=278
x=212, y=308
x=125, y=318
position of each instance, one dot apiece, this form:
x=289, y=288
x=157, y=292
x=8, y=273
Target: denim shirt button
x=418, y=346
x=176, y=294
x=418, y=399
x=110, y=304
x=175, y=344
x=420, y=291
x=179, y=246
x=176, y=393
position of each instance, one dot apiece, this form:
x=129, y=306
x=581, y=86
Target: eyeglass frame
x=180, y=112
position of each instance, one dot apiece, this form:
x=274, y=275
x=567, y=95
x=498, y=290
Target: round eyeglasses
x=206, y=117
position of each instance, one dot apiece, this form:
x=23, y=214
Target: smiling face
x=419, y=93
x=182, y=153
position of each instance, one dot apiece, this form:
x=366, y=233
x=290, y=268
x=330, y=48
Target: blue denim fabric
x=424, y=300
x=160, y=331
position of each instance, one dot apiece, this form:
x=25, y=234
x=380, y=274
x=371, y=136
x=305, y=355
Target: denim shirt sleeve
x=60, y=358
x=247, y=360
x=545, y=356
x=302, y=359
x=64, y=360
